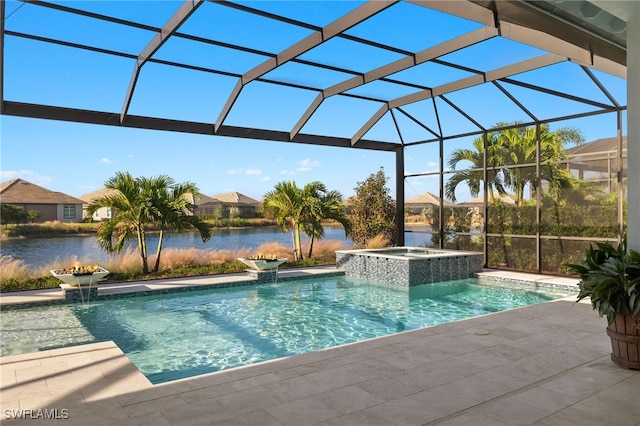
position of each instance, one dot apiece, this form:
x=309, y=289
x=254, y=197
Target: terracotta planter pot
x=625, y=341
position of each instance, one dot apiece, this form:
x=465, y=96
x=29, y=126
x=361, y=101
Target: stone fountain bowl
x=262, y=264
x=80, y=279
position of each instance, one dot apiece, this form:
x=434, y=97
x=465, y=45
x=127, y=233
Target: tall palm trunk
x=156, y=266
x=297, y=245
x=311, y=245
x=142, y=243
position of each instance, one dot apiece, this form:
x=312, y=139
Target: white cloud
x=432, y=164
x=286, y=172
x=252, y=172
x=264, y=179
x=105, y=160
x=306, y=163
x=28, y=175
x=249, y=172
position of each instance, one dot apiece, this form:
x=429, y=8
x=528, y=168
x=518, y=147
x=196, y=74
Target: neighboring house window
x=69, y=211
x=108, y=215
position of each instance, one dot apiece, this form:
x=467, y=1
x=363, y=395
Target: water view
x=44, y=251
x=39, y=252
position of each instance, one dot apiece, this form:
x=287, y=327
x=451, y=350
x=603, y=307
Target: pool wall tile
x=412, y=269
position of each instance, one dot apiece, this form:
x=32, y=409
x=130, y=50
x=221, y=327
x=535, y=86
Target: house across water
x=41, y=204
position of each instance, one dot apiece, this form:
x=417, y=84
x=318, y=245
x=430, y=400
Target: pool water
x=180, y=335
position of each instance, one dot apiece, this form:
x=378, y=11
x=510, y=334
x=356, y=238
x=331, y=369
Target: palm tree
x=473, y=175
x=303, y=210
x=137, y=203
x=173, y=210
x=288, y=204
x=518, y=146
x=132, y=212
x=509, y=148
x=322, y=205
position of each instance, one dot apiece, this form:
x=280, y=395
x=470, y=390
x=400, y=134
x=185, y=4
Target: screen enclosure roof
x=365, y=74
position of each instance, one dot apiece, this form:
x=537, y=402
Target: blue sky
x=77, y=158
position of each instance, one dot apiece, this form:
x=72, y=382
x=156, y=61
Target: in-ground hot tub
x=409, y=266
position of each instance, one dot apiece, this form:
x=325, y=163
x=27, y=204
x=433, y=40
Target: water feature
x=409, y=266
x=184, y=334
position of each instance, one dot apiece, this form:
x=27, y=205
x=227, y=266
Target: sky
x=78, y=158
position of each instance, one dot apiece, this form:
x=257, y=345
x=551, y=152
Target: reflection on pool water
x=180, y=335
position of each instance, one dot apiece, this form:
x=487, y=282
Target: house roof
x=426, y=198
x=19, y=191
x=205, y=199
x=596, y=156
x=236, y=198
x=597, y=146
x=479, y=202
x=91, y=196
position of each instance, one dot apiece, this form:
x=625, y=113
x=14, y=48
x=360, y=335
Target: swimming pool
x=180, y=335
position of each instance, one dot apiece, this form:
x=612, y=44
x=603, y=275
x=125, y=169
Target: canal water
x=39, y=252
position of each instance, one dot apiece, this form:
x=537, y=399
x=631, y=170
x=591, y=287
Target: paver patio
x=545, y=364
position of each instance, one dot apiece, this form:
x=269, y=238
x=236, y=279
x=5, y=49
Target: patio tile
x=360, y=418
x=348, y=399
x=207, y=393
x=474, y=419
x=596, y=411
x=293, y=388
x=151, y=406
x=248, y=400
x=513, y=412
x=262, y=418
x=23, y=390
x=406, y=412
x=7, y=376
x=324, y=406
x=252, y=382
x=460, y=394
x=198, y=413
x=493, y=356
x=546, y=399
x=152, y=419
x=305, y=411
x=581, y=384
x=389, y=387
x=69, y=399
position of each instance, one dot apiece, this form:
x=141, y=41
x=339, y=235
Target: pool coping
x=21, y=299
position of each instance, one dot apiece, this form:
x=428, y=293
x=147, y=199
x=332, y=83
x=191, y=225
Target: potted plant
x=610, y=277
